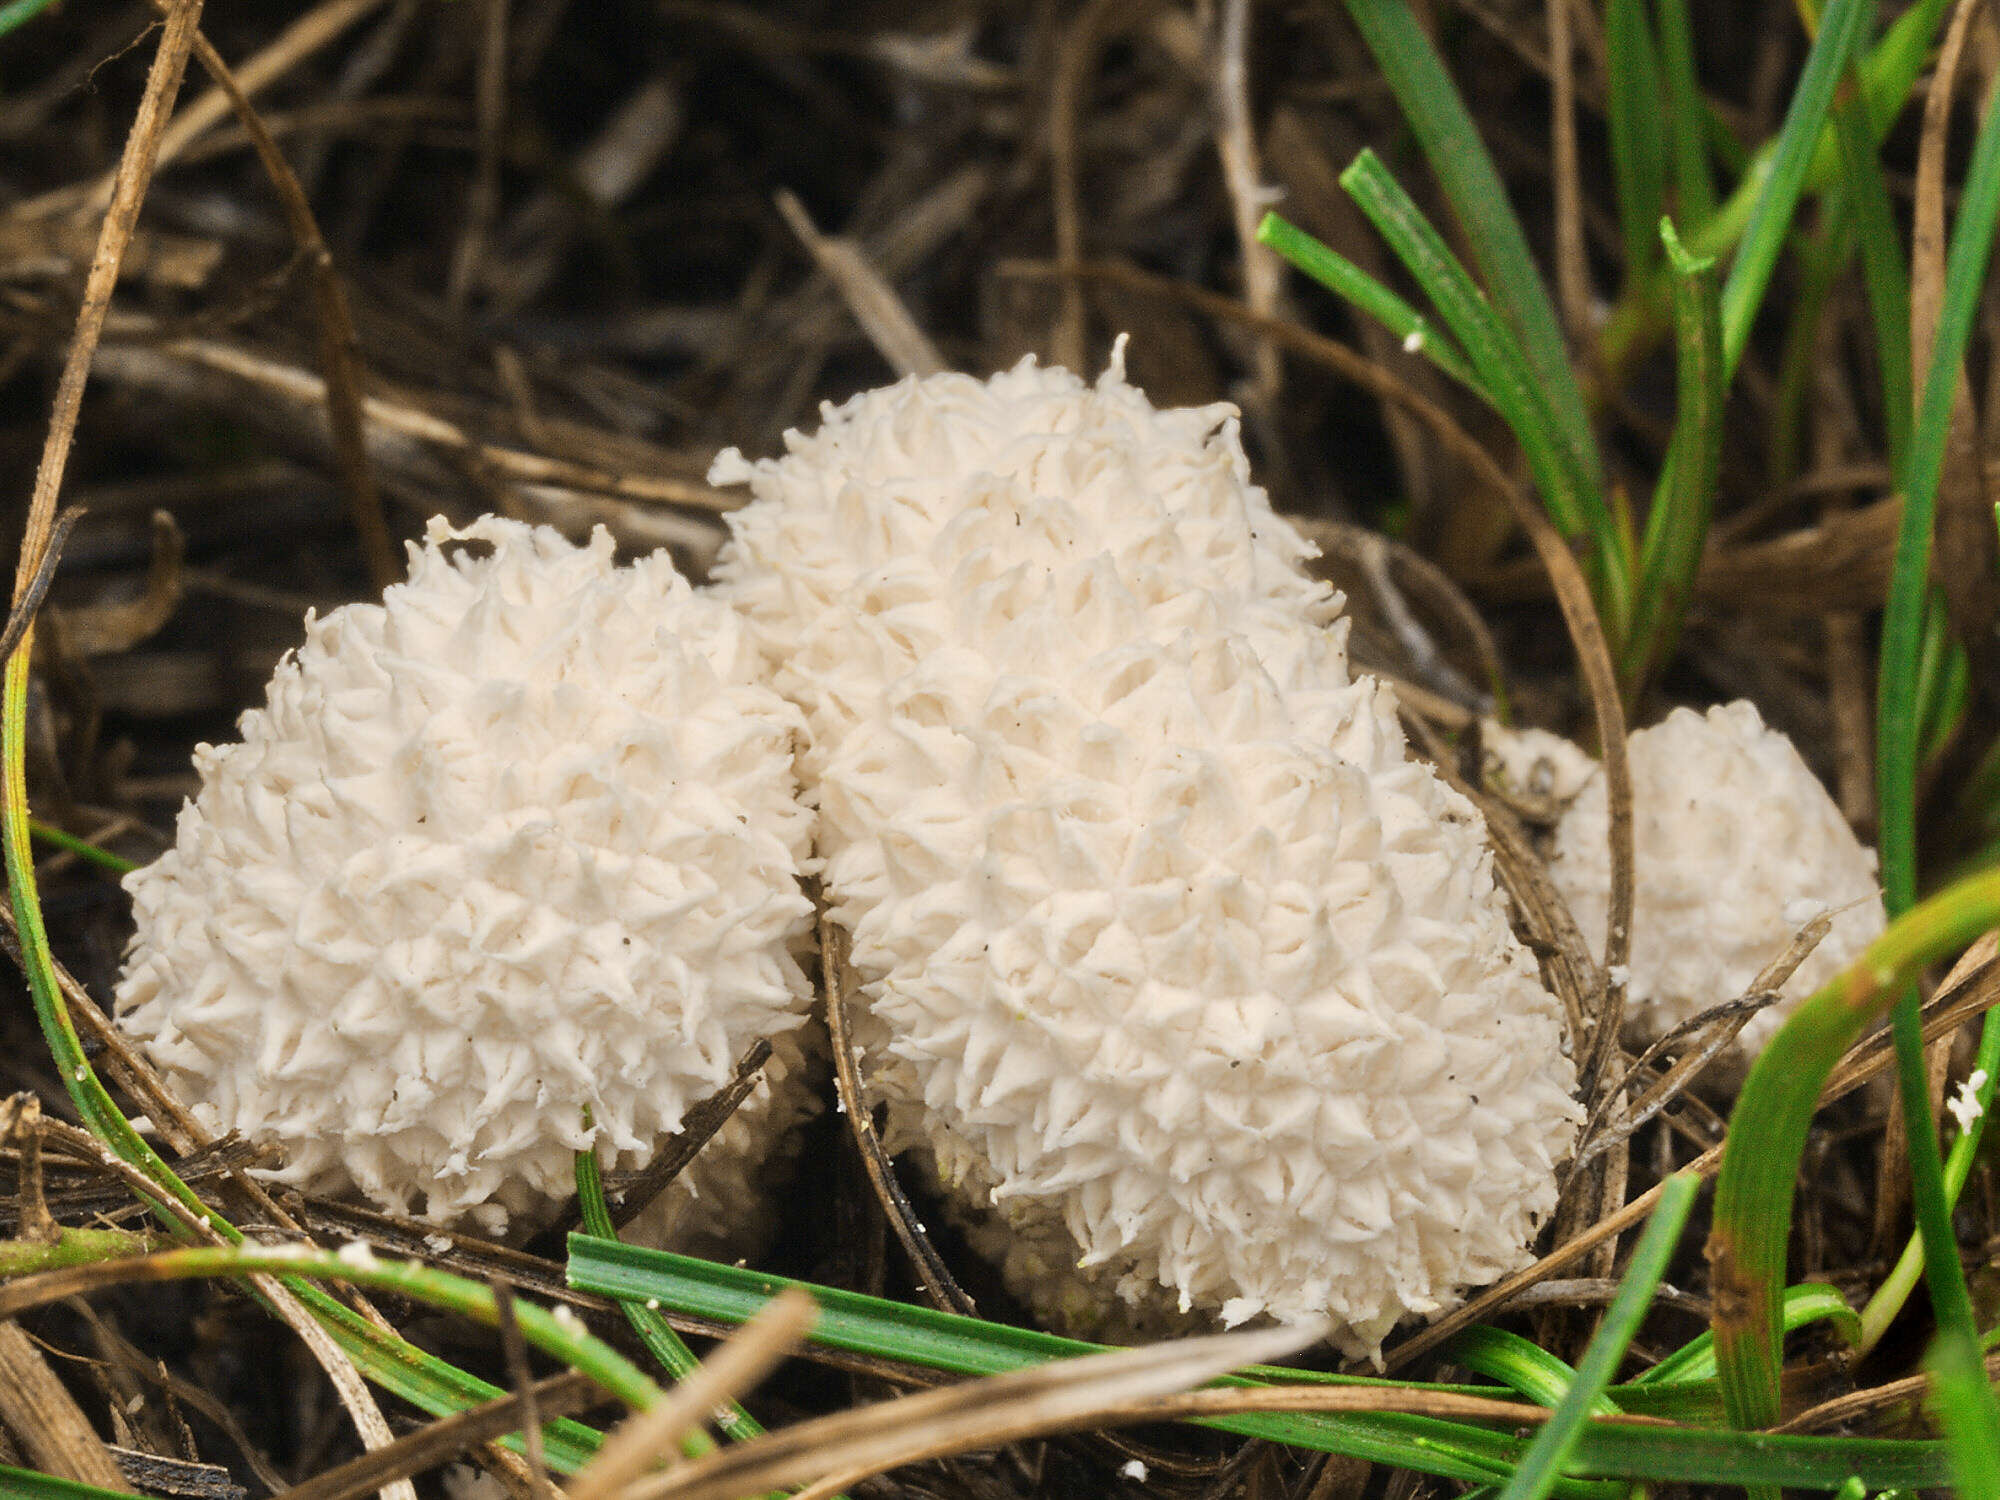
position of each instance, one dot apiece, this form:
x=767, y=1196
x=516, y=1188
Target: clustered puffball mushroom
x=1736, y=847
x=1165, y=945
x=517, y=843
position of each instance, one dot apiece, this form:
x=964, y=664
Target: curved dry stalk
x=1077, y=52
x=388, y=418
x=933, y=1275
x=339, y=346
x=121, y=218
x=1063, y=1396
x=292, y=46
x=1236, y=144
x=1964, y=546
x=744, y=1359
x=29, y=601
x=698, y=1127
x=369, y=1423
x=1379, y=559
x=434, y=1443
x=1572, y=261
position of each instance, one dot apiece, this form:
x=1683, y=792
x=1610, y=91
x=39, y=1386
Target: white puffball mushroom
x=1535, y=764
x=1193, y=987
x=517, y=843
x=1736, y=846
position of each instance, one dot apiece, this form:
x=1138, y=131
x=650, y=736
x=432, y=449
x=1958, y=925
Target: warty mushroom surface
x=518, y=842
x=1736, y=846
x=1192, y=986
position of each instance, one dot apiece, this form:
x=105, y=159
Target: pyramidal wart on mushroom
x=517, y=843
x=1193, y=989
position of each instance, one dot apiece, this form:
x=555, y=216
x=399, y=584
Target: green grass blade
x=1694, y=1455
x=1458, y=157
x=1941, y=680
x=1962, y=1399
x=1809, y=1302
x=18, y=13
x=1452, y=1450
x=1519, y=1365
x=1823, y=259
x=395, y=1365
x=660, y=1340
x=1638, y=129
x=86, y=1091
x=48, y=833
x=1888, y=73
x=1574, y=502
x=1884, y=268
x=1895, y=1289
x=1344, y=278
x=969, y=1346
x=1677, y=526
x=1843, y=25
x=1898, y=711
x=1553, y=1445
x=1767, y=1135
x=26, y=1484
x=1687, y=117
x=1893, y=66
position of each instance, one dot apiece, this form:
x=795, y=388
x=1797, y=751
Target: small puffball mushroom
x=517, y=843
x=1535, y=765
x=1194, y=989
x=1736, y=846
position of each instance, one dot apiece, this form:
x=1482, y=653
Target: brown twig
x=482, y=205
x=1236, y=144
x=292, y=46
x=1732, y=1016
x=1843, y=1410
x=21, y=1121
x=387, y=418
x=933, y=1276
x=630, y=1198
x=1572, y=263
x=121, y=219
x=1964, y=552
x=514, y=1349
x=448, y=1437
x=1076, y=56
x=1063, y=1396
x=339, y=347
x=837, y=1452
x=867, y=293
x=37, y=1408
x=744, y=1359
